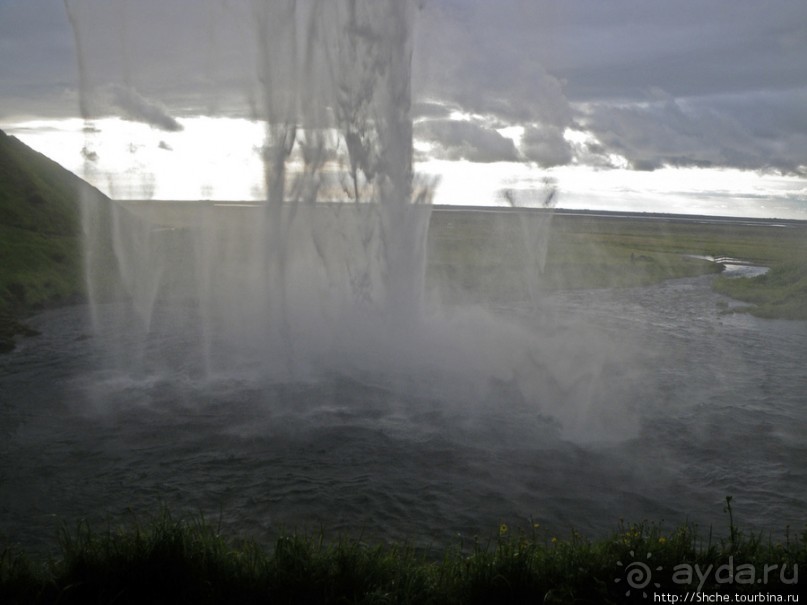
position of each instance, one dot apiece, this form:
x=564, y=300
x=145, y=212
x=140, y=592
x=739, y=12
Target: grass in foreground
x=186, y=561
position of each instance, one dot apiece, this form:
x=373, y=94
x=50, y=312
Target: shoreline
x=556, y=211
x=583, y=249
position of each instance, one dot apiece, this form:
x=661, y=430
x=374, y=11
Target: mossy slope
x=40, y=228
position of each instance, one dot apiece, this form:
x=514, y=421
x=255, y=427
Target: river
x=636, y=404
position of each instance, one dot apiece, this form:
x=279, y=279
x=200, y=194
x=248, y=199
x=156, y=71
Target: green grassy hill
x=40, y=227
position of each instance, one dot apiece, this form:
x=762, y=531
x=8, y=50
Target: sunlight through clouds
x=219, y=159
x=692, y=107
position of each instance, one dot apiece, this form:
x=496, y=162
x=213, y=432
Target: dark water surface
x=690, y=407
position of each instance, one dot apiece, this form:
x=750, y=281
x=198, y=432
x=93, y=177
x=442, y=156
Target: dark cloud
x=89, y=155
x=466, y=140
x=37, y=71
x=718, y=83
x=481, y=57
x=546, y=146
x=702, y=132
x=732, y=71
x=618, y=50
x=139, y=109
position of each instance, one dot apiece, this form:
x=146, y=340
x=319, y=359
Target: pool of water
x=595, y=406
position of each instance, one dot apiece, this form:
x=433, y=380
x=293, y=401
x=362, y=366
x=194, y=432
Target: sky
x=685, y=106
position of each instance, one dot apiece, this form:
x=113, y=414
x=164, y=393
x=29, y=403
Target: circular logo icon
x=637, y=575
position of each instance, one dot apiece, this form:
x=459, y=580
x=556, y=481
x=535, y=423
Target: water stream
x=687, y=406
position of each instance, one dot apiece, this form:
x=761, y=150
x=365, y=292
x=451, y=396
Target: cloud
x=617, y=50
x=742, y=132
x=89, y=155
x=430, y=109
x=38, y=67
x=466, y=140
x=482, y=57
x=719, y=83
x=687, y=83
x=546, y=146
x=139, y=109
x=477, y=140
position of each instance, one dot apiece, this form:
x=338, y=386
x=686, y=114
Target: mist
x=343, y=353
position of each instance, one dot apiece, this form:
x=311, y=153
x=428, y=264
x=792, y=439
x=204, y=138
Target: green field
x=483, y=256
